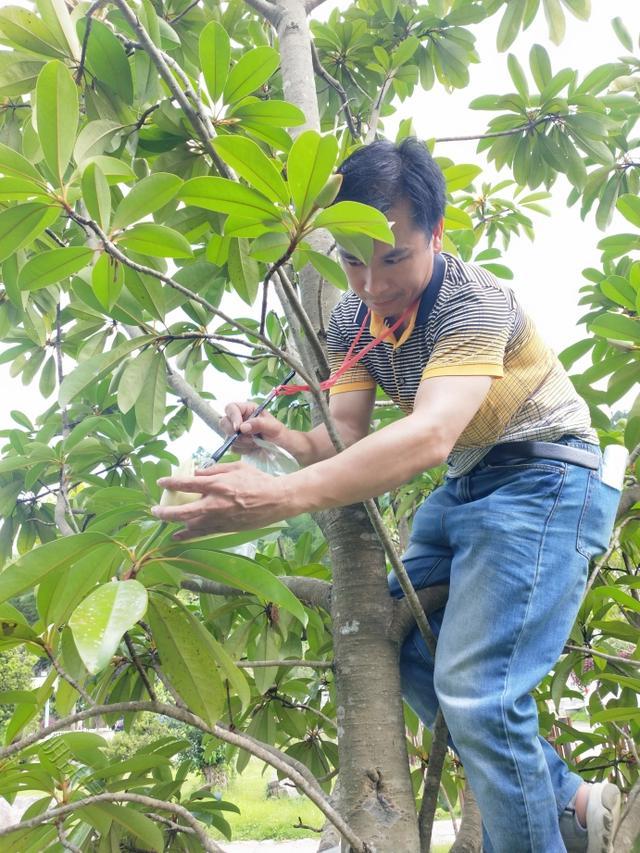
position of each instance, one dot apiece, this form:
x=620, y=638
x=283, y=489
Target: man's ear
x=436, y=240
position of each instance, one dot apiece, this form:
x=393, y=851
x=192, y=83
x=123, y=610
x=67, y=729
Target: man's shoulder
x=464, y=281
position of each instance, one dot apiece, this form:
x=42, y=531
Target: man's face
x=396, y=275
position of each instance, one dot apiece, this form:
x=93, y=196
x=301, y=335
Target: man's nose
x=374, y=283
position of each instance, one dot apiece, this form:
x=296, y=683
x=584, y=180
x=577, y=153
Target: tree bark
x=376, y=797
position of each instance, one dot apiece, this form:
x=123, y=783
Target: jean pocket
x=597, y=517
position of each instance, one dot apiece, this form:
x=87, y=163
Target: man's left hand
x=235, y=496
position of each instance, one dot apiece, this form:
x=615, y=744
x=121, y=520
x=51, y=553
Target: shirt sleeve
x=472, y=333
x=357, y=378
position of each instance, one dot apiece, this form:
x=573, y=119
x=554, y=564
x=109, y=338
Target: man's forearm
x=370, y=467
x=307, y=447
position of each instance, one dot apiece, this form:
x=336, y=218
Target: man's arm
x=237, y=497
x=350, y=410
x=393, y=455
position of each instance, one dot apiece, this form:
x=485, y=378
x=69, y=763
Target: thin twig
x=311, y=664
x=374, y=118
x=173, y=21
x=68, y=678
x=85, y=41
x=118, y=796
x=62, y=837
x=139, y=667
x=62, y=502
x=305, y=322
x=589, y=652
x=322, y=72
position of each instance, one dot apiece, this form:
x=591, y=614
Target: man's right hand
x=263, y=426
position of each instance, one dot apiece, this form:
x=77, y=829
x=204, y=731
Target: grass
x=261, y=819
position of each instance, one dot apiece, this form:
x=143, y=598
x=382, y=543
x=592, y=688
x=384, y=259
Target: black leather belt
x=545, y=450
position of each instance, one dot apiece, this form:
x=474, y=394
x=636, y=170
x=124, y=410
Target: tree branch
x=629, y=826
x=197, y=116
x=293, y=769
x=311, y=664
x=432, y=782
x=192, y=400
x=589, y=652
x=151, y=802
x=469, y=838
x=374, y=118
x=322, y=72
x=115, y=252
x=269, y=11
x=310, y=591
x=310, y=5
x=305, y=323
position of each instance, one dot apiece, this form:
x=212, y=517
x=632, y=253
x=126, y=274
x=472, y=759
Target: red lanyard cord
x=350, y=359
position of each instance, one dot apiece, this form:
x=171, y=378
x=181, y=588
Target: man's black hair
x=382, y=174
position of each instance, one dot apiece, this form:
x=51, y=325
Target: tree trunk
x=376, y=797
x=375, y=794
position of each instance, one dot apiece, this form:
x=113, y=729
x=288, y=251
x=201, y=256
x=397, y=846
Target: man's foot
x=602, y=814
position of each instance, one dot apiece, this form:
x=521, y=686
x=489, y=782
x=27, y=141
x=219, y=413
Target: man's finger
x=185, y=512
x=227, y=468
x=180, y=484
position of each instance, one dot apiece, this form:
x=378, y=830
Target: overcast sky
x=548, y=271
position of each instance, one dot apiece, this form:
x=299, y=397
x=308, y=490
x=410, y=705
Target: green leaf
x=627, y=714
x=159, y=241
x=309, y=165
x=540, y=66
x=133, y=822
x=351, y=216
x=247, y=159
x=14, y=164
x=235, y=676
x=57, y=115
x=56, y=17
x=459, y=177
x=150, y=194
x=616, y=327
x=226, y=196
x=96, y=195
x=555, y=20
x=94, y=139
x=133, y=378
x=455, y=218
x=616, y=245
x=187, y=658
x=99, y=622
x=215, y=53
x=18, y=73
x=327, y=267
x=243, y=270
x=20, y=225
x=518, y=76
x=51, y=267
x=510, y=23
x=27, y=571
x=25, y=29
x=629, y=207
x=273, y=113
x=93, y=369
x=107, y=278
x=252, y=70
x=106, y=58
x=622, y=33
x=239, y=572
x=632, y=429
x=151, y=406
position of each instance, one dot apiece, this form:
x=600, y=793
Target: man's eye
x=352, y=262
x=391, y=261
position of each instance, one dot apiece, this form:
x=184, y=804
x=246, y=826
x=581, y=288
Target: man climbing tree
x=512, y=530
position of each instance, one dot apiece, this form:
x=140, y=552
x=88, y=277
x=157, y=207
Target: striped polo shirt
x=466, y=324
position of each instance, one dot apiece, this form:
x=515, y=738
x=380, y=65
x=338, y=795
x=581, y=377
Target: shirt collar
x=427, y=300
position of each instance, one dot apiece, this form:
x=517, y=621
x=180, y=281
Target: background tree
x=154, y=156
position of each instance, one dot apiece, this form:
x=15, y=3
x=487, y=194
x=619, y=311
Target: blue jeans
x=513, y=540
